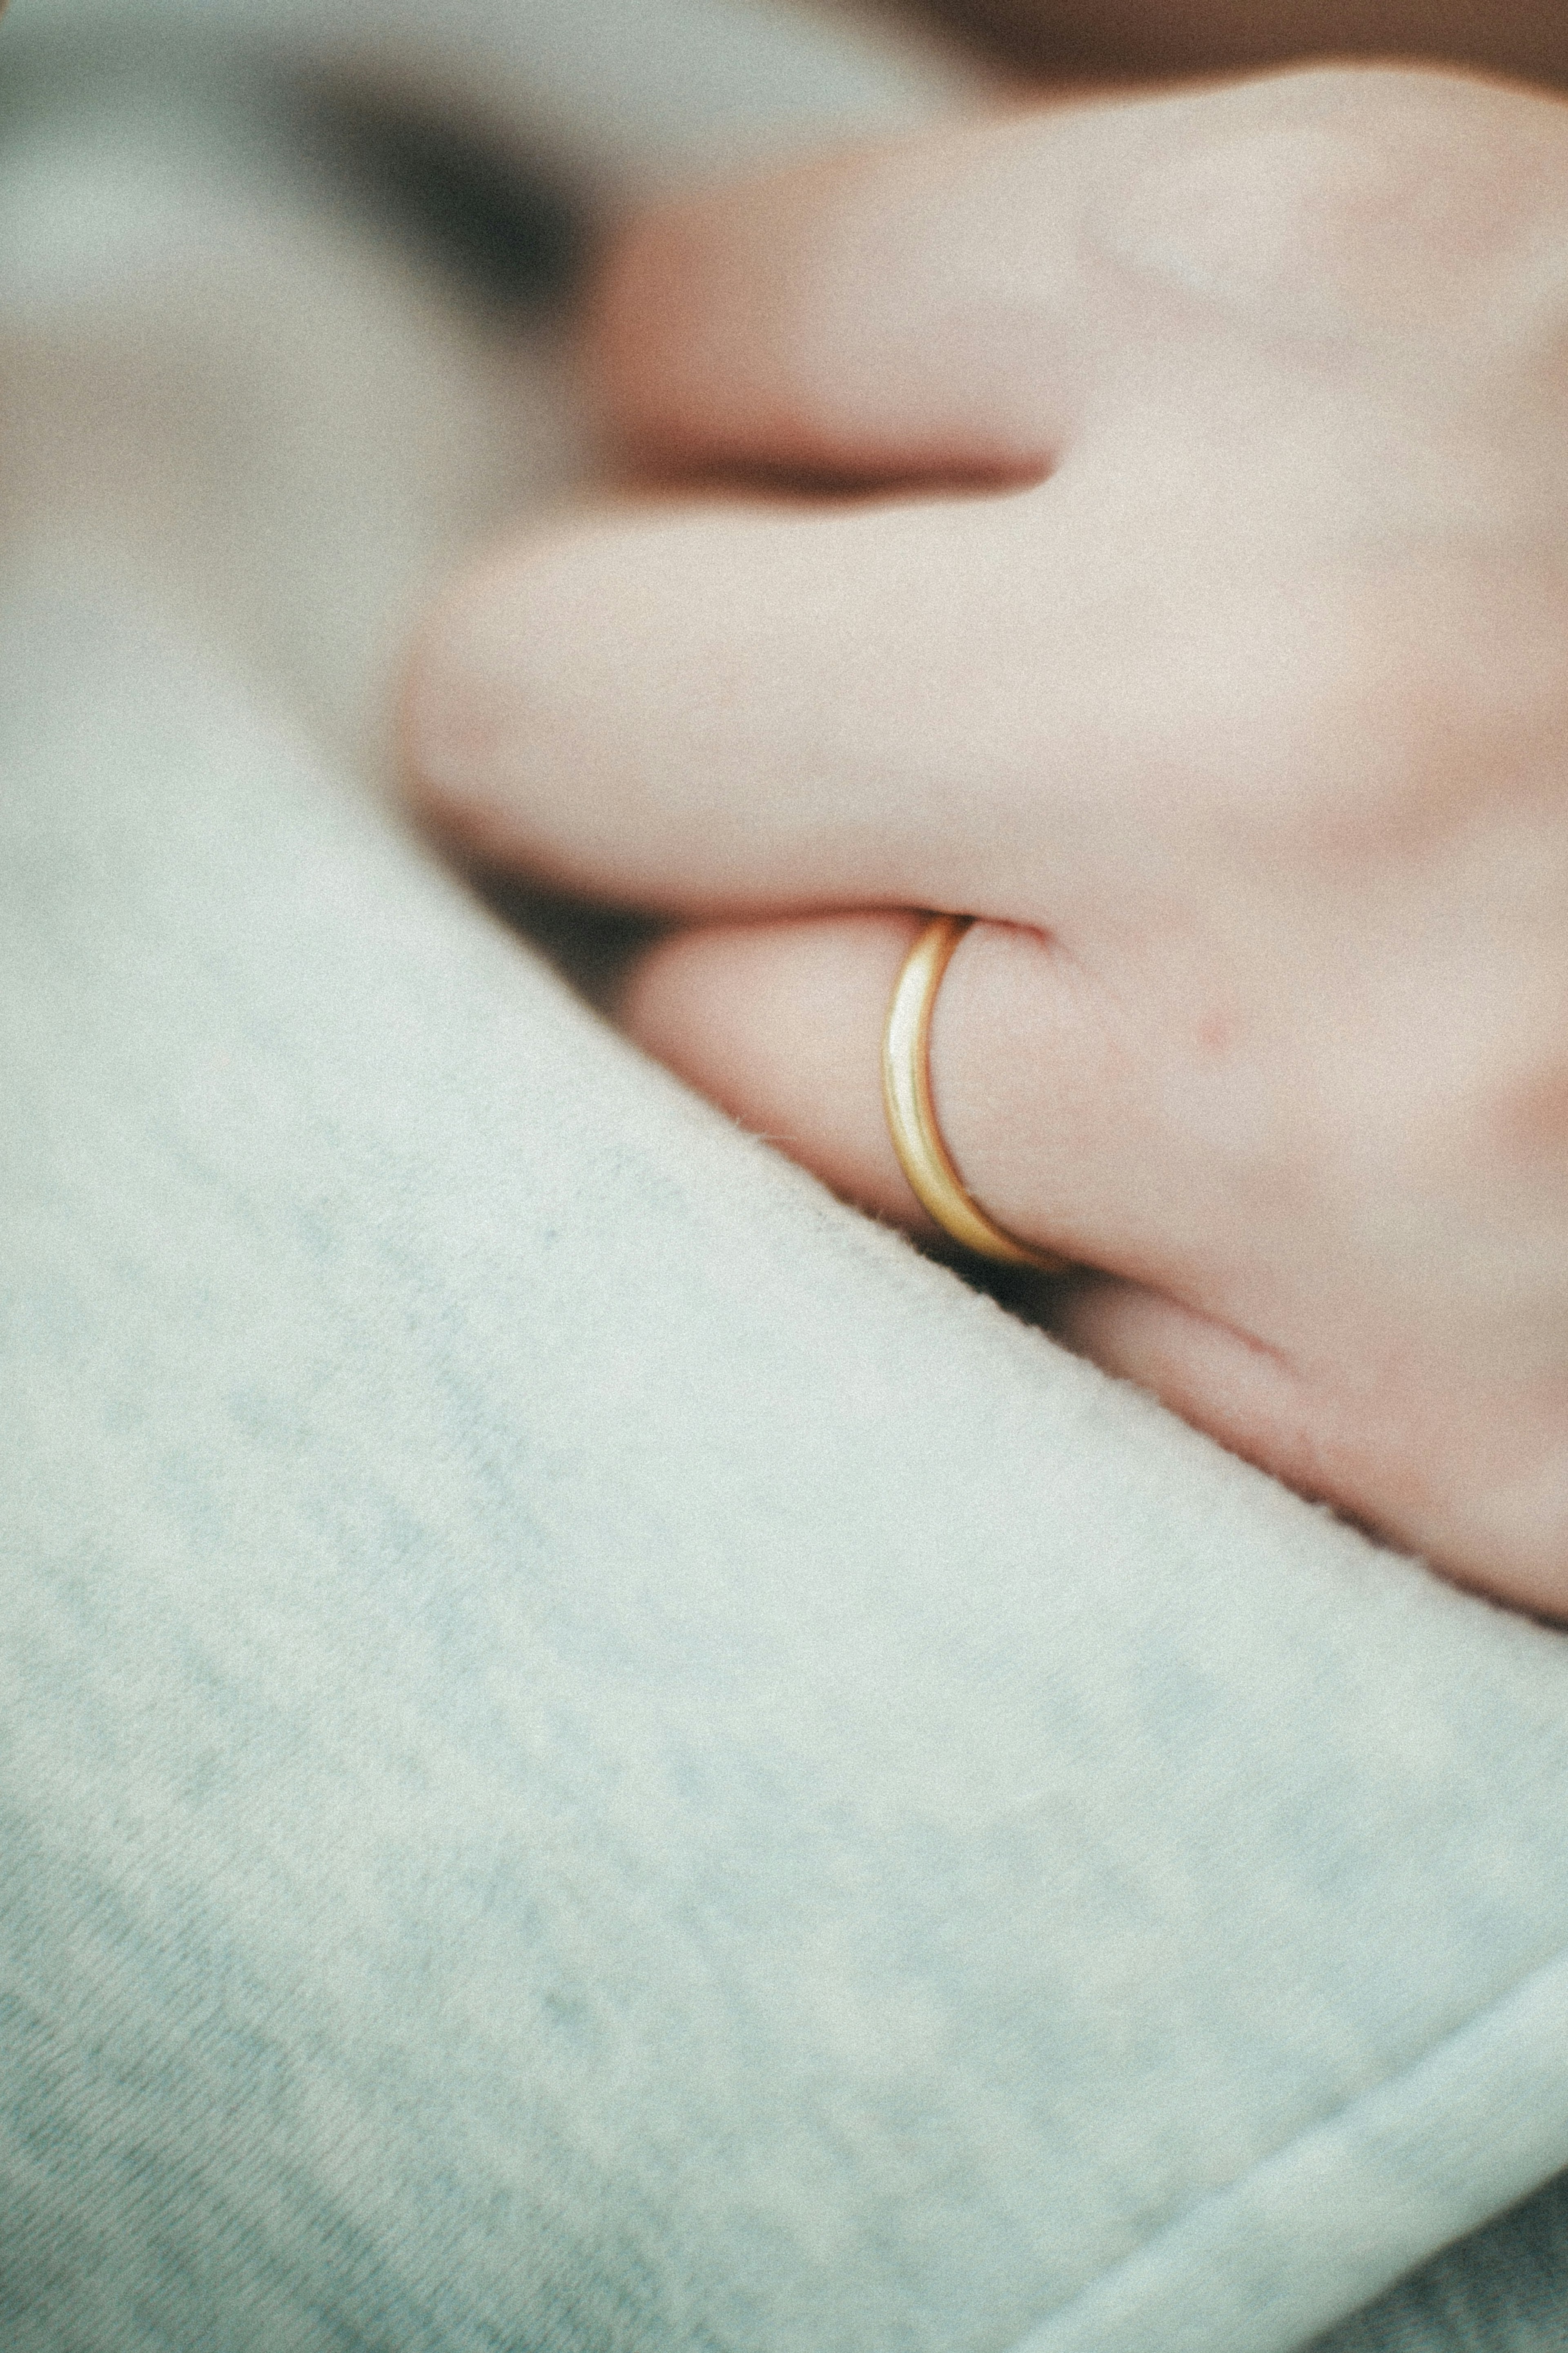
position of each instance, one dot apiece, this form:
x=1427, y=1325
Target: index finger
x=914, y=309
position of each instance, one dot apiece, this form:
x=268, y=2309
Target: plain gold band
x=911, y=1114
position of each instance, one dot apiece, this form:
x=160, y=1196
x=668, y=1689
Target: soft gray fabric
x=1503, y=2291
x=594, y=1754
x=624, y=92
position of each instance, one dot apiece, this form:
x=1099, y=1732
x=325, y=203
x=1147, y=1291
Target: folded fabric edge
x=1326, y=2223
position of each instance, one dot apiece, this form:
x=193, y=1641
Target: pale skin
x=1194, y=612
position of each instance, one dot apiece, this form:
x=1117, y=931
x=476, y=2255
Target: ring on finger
x=912, y=1114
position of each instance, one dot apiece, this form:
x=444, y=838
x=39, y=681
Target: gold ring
x=911, y=1114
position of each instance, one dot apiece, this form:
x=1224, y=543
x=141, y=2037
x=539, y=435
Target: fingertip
x=457, y=722
x=437, y=728
x=506, y=700
x=642, y=338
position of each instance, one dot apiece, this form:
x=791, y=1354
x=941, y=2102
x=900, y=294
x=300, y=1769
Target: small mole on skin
x=1533, y=1116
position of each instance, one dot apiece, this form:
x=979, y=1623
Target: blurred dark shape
x=507, y=233
x=591, y=947
x=510, y=231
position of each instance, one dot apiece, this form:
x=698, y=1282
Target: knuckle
x=1351, y=199
x=1518, y=1107
x=1385, y=728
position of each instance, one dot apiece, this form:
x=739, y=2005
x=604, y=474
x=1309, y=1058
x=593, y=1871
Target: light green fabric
x=1503, y=2291
x=593, y=1754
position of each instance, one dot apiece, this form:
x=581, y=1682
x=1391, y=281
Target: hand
x=1210, y=642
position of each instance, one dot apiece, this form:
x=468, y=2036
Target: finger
x=1058, y=1122
x=912, y=310
x=741, y=707
x=1069, y=1132
x=959, y=305
x=1467, y=1471
x=779, y=1023
x=1430, y=1471
x=1063, y=1125
x=1054, y=1115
